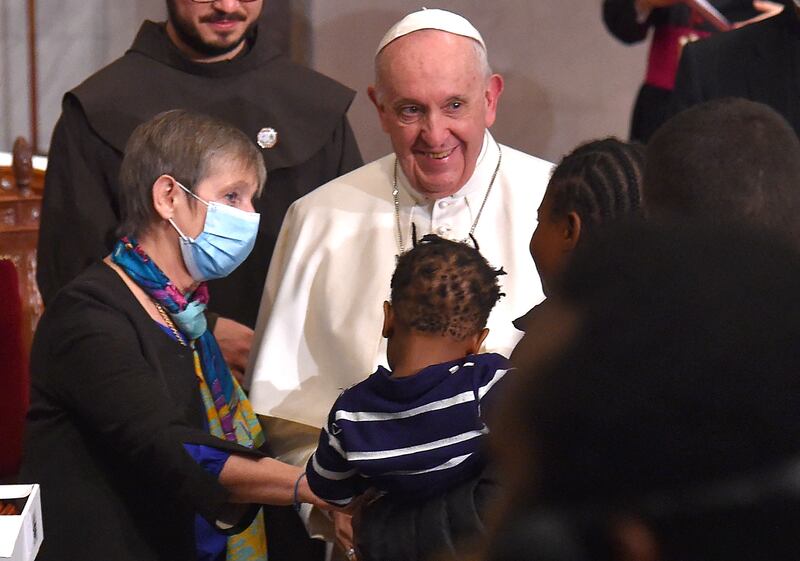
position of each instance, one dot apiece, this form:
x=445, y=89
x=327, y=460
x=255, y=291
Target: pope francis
x=319, y=327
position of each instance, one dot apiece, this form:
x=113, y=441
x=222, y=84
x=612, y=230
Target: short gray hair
x=185, y=145
x=480, y=55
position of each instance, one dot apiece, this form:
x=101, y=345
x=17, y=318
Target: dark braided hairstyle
x=444, y=287
x=600, y=180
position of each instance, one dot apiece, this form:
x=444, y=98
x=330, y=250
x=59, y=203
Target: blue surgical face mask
x=227, y=239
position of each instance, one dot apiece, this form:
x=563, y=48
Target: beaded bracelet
x=296, y=499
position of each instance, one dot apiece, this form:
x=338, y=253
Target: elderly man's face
x=212, y=29
x=435, y=102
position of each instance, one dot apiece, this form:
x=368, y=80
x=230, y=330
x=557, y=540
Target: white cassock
x=319, y=325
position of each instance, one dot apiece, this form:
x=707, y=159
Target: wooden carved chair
x=20, y=304
x=13, y=371
x=21, y=186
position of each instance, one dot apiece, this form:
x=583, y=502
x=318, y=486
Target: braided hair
x=444, y=287
x=600, y=180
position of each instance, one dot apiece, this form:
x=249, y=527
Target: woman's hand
x=766, y=10
x=343, y=533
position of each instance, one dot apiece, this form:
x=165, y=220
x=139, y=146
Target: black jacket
x=760, y=62
x=113, y=400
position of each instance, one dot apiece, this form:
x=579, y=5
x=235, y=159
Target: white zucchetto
x=431, y=19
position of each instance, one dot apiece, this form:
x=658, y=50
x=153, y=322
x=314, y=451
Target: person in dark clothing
x=662, y=421
x=145, y=446
x=760, y=62
x=673, y=25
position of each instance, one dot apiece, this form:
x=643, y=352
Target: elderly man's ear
x=373, y=97
x=494, y=88
x=382, y=114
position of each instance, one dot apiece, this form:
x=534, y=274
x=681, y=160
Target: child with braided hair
x=596, y=183
x=416, y=429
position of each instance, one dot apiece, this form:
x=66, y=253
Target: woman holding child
x=145, y=446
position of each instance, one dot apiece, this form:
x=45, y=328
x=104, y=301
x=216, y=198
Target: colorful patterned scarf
x=227, y=408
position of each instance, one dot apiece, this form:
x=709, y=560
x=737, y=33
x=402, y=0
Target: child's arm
x=330, y=476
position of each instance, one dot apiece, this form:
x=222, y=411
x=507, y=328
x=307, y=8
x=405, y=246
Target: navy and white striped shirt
x=412, y=436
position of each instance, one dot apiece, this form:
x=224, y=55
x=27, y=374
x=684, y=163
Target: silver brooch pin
x=267, y=137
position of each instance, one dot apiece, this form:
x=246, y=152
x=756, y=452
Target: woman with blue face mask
x=145, y=445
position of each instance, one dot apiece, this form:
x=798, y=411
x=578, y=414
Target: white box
x=21, y=535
